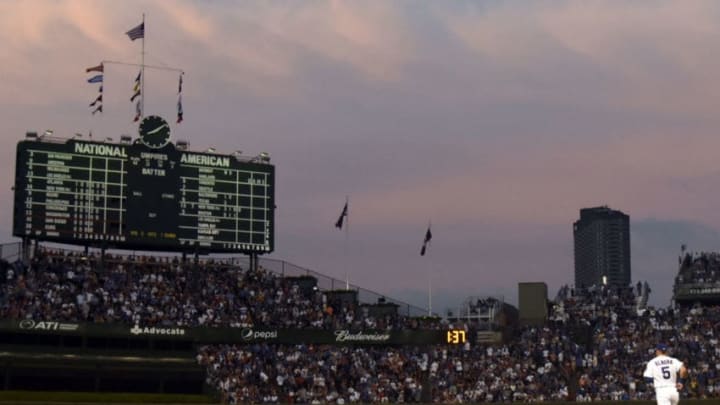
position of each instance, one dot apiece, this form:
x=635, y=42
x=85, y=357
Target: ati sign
x=29, y=324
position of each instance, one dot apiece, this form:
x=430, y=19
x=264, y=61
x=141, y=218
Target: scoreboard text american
x=131, y=196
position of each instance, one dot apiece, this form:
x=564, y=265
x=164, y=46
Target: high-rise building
x=602, y=247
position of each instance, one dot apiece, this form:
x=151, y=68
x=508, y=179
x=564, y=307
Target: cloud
x=648, y=56
x=189, y=19
x=650, y=174
x=283, y=41
x=262, y=47
x=47, y=46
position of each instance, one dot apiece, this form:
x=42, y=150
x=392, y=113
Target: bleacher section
x=698, y=279
x=133, y=323
x=254, y=335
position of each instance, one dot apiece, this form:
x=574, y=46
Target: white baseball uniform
x=664, y=370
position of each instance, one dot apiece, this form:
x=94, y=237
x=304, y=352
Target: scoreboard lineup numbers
x=81, y=196
x=134, y=196
x=212, y=196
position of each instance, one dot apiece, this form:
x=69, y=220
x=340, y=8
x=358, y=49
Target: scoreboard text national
x=137, y=197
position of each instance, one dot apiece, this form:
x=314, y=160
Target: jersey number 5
x=666, y=372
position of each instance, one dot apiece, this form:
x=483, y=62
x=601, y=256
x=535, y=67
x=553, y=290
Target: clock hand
x=157, y=129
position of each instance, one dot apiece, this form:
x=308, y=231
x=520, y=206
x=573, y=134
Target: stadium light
x=125, y=139
x=181, y=144
x=262, y=157
x=31, y=135
x=210, y=150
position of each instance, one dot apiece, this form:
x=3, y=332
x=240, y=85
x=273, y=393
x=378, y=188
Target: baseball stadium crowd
x=152, y=291
x=699, y=268
x=593, y=346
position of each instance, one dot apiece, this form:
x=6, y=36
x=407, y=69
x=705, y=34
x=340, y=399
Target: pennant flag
x=100, y=89
x=428, y=237
x=99, y=68
x=179, y=110
x=343, y=215
x=97, y=100
x=179, y=103
x=98, y=109
x=136, y=87
x=138, y=111
x=137, y=32
x=96, y=79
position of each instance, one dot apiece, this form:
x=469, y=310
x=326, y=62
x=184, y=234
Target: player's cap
x=662, y=347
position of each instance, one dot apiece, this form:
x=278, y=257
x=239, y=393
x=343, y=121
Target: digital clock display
x=456, y=337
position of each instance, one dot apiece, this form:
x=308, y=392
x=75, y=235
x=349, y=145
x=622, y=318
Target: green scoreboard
x=142, y=196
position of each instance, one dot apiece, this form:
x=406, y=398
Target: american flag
x=137, y=32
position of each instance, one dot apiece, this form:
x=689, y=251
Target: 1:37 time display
x=456, y=337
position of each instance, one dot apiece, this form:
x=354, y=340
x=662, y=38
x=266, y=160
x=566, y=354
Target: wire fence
x=328, y=283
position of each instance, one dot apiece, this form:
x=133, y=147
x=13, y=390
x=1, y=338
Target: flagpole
x=430, y=273
x=142, y=70
x=430, y=291
x=347, y=242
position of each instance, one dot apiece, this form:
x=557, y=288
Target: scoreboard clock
x=154, y=132
x=147, y=195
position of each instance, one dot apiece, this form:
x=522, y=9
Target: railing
x=328, y=283
x=697, y=290
x=484, y=308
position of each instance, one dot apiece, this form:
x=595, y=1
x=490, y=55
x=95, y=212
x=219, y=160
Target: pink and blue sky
x=496, y=120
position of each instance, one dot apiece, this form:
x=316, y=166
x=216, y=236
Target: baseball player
x=662, y=371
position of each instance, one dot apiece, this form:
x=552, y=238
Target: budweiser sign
x=347, y=336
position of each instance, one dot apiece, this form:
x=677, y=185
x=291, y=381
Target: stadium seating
x=593, y=346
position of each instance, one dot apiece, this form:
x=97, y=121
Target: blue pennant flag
x=96, y=79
